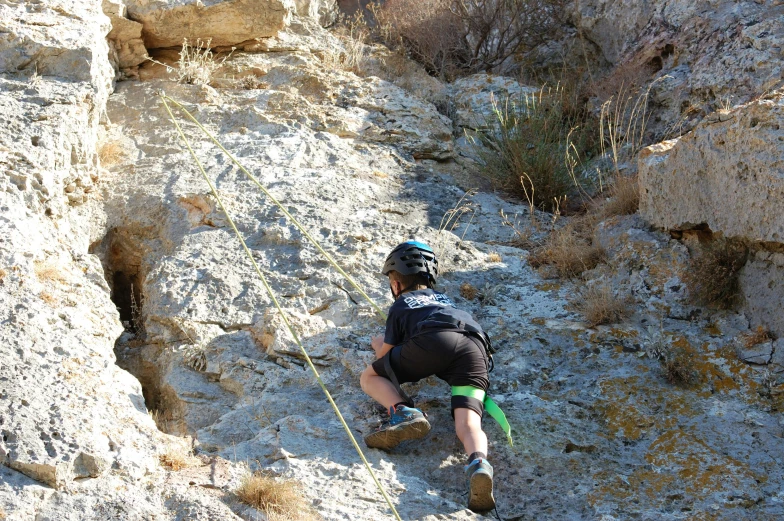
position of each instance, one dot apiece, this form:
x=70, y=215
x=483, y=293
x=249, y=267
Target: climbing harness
x=271, y=293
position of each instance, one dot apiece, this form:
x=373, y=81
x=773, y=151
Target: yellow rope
x=277, y=305
x=280, y=206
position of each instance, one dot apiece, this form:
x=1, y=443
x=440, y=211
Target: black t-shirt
x=413, y=307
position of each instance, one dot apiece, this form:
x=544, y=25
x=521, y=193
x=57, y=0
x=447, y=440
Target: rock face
x=125, y=38
x=116, y=257
x=167, y=23
x=705, y=53
x=728, y=173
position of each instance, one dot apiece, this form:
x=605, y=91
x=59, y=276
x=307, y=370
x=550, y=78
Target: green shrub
x=536, y=147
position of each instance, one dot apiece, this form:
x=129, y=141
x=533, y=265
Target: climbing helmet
x=411, y=258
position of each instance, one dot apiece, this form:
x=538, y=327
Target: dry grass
x=569, y=250
x=713, y=273
x=494, y=257
x=48, y=298
x=197, y=63
x=624, y=197
x=679, y=369
x=3, y=274
x=468, y=292
x=353, y=32
x=756, y=337
x=279, y=499
x=177, y=457
x=599, y=305
x=111, y=153
x=2, y=513
x=48, y=270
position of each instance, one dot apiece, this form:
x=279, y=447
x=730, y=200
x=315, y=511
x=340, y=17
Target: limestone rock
x=63, y=39
x=726, y=174
x=762, y=285
x=476, y=97
x=325, y=12
x=226, y=22
x=125, y=38
x=707, y=55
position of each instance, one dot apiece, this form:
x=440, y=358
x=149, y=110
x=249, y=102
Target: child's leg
x=468, y=425
x=379, y=388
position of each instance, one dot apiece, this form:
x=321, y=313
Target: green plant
x=536, y=147
x=714, y=270
x=279, y=499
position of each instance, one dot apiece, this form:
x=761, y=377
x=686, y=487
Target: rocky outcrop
x=705, y=54
x=125, y=39
x=477, y=97
x=126, y=253
x=225, y=23
x=727, y=173
x=62, y=39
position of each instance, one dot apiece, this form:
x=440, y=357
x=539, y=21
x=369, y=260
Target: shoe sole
x=481, y=493
x=391, y=437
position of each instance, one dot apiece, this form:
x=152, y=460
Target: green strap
x=491, y=407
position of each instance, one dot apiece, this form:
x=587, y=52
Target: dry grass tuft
x=714, y=271
x=624, y=197
x=678, y=367
x=756, y=337
x=468, y=292
x=599, y=305
x=178, y=457
x=279, y=499
x=49, y=271
x=3, y=274
x=494, y=257
x=2, y=513
x=48, y=298
x=111, y=153
x=569, y=250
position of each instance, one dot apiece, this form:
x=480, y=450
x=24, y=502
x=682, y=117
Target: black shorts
x=454, y=357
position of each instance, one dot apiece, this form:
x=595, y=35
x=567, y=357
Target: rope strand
x=271, y=293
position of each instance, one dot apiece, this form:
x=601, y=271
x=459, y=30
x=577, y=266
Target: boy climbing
x=426, y=335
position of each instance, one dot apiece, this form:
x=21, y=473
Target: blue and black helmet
x=412, y=258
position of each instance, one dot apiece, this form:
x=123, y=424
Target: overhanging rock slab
x=728, y=173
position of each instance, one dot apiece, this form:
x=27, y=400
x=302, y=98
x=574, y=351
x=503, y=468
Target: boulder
x=325, y=12
x=762, y=285
x=167, y=23
x=476, y=97
x=726, y=173
x=53, y=38
x=125, y=38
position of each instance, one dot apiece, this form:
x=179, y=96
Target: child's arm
x=379, y=346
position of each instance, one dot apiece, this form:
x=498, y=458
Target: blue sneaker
x=405, y=423
x=480, y=485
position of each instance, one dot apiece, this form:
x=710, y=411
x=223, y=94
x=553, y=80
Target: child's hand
x=377, y=343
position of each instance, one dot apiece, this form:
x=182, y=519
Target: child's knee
x=364, y=378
